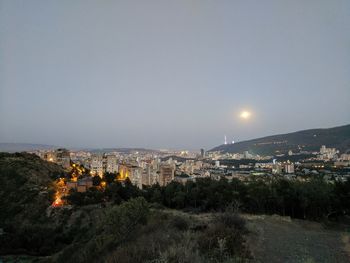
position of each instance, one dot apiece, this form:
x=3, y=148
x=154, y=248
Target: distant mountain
x=306, y=140
x=23, y=147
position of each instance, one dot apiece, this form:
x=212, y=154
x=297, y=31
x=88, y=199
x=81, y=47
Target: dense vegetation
x=314, y=199
x=26, y=192
x=134, y=233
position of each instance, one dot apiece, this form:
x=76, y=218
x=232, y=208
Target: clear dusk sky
x=170, y=74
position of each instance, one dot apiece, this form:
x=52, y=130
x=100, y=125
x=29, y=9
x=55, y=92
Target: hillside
x=26, y=182
x=306, y=140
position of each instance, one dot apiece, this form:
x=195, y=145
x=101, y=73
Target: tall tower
x=225, y=140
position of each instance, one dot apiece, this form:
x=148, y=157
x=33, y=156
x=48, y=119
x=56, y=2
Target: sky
x=171, y=74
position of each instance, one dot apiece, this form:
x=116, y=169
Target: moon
x=245, y=115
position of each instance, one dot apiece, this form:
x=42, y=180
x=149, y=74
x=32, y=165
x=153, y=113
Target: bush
x=179, y=223
x=232, y=220
x=122, y=220
x=224, y=237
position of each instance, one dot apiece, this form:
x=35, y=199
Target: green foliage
x=110, y=177
x=313, y=199
x=121, y=220
x=96, y=180
x=116, y=225
x=26, y=192
x=91, y=196
x=223, y=239
x=179, y=222
x=169, y=237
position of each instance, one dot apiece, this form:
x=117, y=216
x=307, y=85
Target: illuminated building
x=134, y=173
x=51, y=157
x=327, y=153
x=276, y=168
x=96, y=165
x=111, y=164
x=82, y=185
x=289, y=168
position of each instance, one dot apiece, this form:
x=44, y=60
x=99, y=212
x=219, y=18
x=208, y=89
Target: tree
x=96, y=180
x=110, y=177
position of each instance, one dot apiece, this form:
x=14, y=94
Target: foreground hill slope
x=26, y=186
x=307, y=140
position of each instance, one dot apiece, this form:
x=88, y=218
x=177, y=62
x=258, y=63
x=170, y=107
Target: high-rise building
x=149, y=175
x=134, y=173
x=166, y=174
x=96, y=165
x=202, y=153
x=111, y=164
x=63, y=158
x=289, y=168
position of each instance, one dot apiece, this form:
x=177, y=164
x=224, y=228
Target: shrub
x=224, y=237
x=231, y=220
x=179, y=222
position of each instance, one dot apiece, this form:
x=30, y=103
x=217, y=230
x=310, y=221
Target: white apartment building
x=96, y=165
x=112, y=164
x=327, y=153
x=289, y=168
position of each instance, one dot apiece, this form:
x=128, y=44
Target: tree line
x=313, y=199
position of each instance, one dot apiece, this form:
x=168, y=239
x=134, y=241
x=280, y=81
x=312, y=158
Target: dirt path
x=277, y=239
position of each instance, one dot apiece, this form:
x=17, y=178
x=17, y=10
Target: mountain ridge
x=304, y=140
x=24, y=147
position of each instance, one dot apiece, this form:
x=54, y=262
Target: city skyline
x=171, y=75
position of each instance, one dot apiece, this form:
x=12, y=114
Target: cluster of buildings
x=140, y=168
x=217, y=155
x=162, y=167
x=327, y=153
x=59, y=156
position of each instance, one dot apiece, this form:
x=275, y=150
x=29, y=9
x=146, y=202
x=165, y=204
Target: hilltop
x=306, y=140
